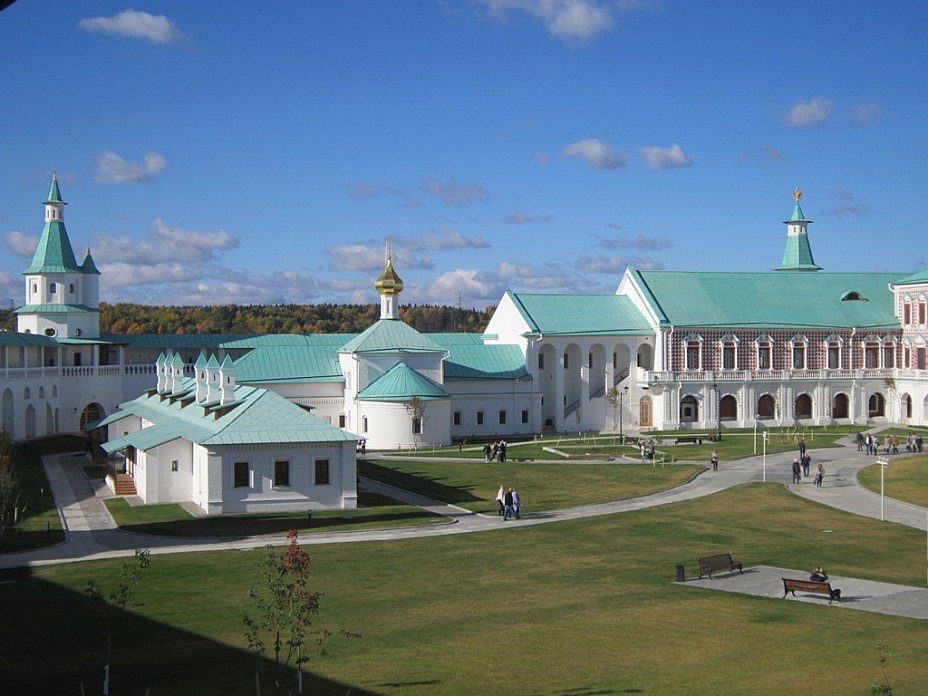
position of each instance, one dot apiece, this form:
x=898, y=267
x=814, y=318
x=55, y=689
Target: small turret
x=389, y=285
x=798, y=253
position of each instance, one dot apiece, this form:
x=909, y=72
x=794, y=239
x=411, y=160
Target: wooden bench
x=691, y=440
x=720, y=561
x=811, y=586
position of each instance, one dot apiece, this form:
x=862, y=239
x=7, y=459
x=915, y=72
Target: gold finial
x=797, y=194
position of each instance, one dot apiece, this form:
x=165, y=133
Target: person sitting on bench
x=819, y=575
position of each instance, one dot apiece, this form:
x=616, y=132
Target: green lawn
x=377, y=512
x=579, y=607
x=41, y=525
x=906, y=479
x=473, y=485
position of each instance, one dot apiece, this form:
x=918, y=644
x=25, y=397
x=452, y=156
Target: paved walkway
x=92, y=534
x=860, y=595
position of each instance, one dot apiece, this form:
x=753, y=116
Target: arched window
x=729, y=345
x=876, y=405
x=689, y=409
x=363, y=424
x=833, y=352
x=889, y=354
x=644, y=412
x=728, y=408
x=840, y=406
x=798, y=350
x=907, y=405
x=27, y=394
x=766, y=407
x=764, y=350
x=803, y=406
x=52, y=288
x=693, y=352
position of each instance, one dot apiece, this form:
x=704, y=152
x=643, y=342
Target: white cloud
x=665, y=157
x=369, y=255
x=361, y=190
x=163, y=243
x=11, y=291
x=21, y=244
x=615, y=265
x=156, y=29
x=472, y=286
x=113, y=169
x=452, y=193
x=442, y=239
x=568, y=20
x=808, y=114
x=639, y=242
x=865, y=114
x=597, y=154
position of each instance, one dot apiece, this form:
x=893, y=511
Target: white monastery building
x=672, y=350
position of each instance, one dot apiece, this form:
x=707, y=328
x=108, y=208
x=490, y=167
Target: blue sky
x=262, y=154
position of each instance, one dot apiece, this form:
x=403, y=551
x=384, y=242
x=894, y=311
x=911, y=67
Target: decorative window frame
x=729, y=340
x=833, y=341
x=696, y=341
x=865, y=343
x=796, y=342
x=766, y=341
x=889, y=343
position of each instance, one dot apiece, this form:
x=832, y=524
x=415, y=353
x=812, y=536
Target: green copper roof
x=89, y=267
x=298, y=363
x=469, y=358
x=258, y=416
x=391, y=335
x=579, y=314
x=52, y=308
x=401, y=383
x=916, y=279
x=54, y=194
x=798, y=254
x=797, y=300
x=53, y=253
x=176, y=341
x=797, y=215
x=14, y=338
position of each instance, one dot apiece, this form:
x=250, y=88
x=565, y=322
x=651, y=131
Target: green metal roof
x=391, y=335
x=772, y=299
x=298, y=363
x=469, y=358
x=579, y=314
x=915, y=279
x=17, y=339
x=53, y=253
x=256, y=416
x=54, y=193
x=89, y=267
x=401, y=383
x=175, y=341
x=797, y=215
x=52, y=308
x=797, y=256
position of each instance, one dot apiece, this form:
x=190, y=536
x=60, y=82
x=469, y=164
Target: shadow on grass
x=420, y=482
x=26, y=540
x=56, y=642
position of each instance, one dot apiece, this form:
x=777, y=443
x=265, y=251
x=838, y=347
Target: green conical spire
x=798, y=253
x=54, y=195
x=54, y=253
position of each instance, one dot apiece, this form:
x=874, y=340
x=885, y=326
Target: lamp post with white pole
x=765, y=456
x=883, y=464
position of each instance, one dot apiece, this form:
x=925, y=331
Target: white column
x=559, y=392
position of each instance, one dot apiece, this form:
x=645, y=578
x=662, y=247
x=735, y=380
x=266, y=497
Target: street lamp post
x=883, y=464
x=718, y=410
x=622, y=395
x=765, y=456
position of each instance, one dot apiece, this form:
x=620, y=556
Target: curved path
x=92, y=534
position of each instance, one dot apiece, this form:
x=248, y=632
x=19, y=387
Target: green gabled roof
x=302, y=363
x=293, y=340
x=579, y=314
x=53, y=253
x=401, y=383
x=256, y=416
x=89, y=267
x=915, y=279
x=688, y=298
x=469, y=358
x=51, y=308
x=391, y=335
x=798, y=254
x=17, y=339
x=175, y=341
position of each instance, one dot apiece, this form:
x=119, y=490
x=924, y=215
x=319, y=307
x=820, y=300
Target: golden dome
x=389, y=282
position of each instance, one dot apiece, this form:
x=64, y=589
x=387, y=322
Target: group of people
x=509, y=503
x=871, y=443
x=801, y=466
x=496, y=451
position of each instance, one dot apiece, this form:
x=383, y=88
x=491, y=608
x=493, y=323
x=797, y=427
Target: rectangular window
x=834, y=357
x=889, y=356
x=921, y=312
x=240, y=475
x=174, y=465
x=692, y=356
x=524, y=416
x=871, y=355
x=906, y=313
x=479, y=417
x=566, y=361
x=615, y=361
x=281, y=473
x=906, y=357
x=363, y=424
x=456, y=418
x=541, y=361
x=589, y=360
x=77, y=360
x=920, y=357
x=322, y=472
x=417, y=426
x=763, y=356
x=341, y=420
x=728, y=357
x=502, y=417
x=799, y=356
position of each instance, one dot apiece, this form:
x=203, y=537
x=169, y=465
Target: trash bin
x=309, y=518
x=681, y=573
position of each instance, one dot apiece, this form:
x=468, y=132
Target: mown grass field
x=580, y=607
x=376, y=512
x=473, y=485
x=906, y=478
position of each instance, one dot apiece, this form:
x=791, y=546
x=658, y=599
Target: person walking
x=802, y=447
x=806, y=463
x=517, y=504
x=502, y=451
x=860, y=441
x=487, y=451
x=797, y=471
x=869, y=442
x=820, y=475
x=715, y=460
x=495, y=451
x=501, y=499
x=507, y=506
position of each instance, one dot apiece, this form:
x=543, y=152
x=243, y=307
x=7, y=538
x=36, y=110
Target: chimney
x=212, y=380
x=161, y=373
x=199, y=370
x=227, y=380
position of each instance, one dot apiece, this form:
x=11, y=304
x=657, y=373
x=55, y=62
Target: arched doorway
x=689, y=409
x=547, y=363
x=728, y=408
x=766, y=407
x=597, y=363
x=906, y=404
x=92, y=412
x=30, y=420
x=803, y=407
x=644, y=412
x=841, y=406
x=876, y=406
x=645, y=357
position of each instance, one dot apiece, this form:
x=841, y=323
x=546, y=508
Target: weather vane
x=797, y=194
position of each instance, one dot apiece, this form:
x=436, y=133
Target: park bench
x=812, y=586
x=720, y=561
x=694, y=440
